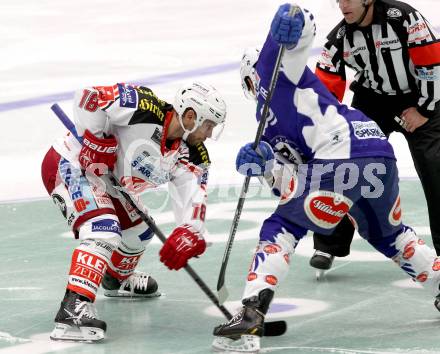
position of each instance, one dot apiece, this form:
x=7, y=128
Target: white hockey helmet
x=248, y=73
x=206, y=102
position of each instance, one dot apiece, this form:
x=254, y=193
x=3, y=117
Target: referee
x=395, y=54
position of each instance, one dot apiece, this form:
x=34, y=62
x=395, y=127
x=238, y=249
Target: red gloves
x=183, y=244
x=98, y=150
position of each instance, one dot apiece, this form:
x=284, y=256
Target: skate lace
x=85, y=309
x=137, y=280
x=324, y=254
x=236, y=317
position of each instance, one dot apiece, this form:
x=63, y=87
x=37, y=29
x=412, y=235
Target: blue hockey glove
x=286, y=29
x=257, y=162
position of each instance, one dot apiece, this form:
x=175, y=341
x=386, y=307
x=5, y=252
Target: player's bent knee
x=137, y=237
x=277, y=229
x=104, y=227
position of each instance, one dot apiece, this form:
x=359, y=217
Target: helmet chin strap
x=186, y=132
x=366, y=8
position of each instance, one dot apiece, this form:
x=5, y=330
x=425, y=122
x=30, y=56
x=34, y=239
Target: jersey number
x=89, y=101
x=199, y=212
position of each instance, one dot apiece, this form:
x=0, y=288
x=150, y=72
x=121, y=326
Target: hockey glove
x=257, y=162
x=98, y=151
x=183, y=244
x=287, y=29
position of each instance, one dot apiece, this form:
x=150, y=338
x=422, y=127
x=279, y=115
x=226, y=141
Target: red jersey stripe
x=334, y=83
x=425, y=55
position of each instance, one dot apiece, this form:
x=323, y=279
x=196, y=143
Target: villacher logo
x=326, y=208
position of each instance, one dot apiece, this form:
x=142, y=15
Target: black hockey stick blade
x=275, y=328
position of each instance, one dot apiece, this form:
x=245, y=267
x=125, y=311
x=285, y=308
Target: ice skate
x=243, y=331
x=138, y=285
x=437, y=302
x=322, y=262
x=77, y=320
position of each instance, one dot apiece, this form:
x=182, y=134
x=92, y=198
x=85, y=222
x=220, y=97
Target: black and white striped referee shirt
x=397, y=54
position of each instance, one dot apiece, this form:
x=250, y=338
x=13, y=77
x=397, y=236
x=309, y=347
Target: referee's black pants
x=424, y=145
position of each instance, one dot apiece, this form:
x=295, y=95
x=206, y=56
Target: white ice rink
x=49, y=48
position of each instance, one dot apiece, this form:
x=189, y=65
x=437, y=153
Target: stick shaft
x=245, y=187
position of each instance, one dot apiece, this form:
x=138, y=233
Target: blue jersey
x=304, y=116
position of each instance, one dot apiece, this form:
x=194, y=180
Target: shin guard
x=418, y=260
x=124, y=261
x=89, y=264
x=270, y=264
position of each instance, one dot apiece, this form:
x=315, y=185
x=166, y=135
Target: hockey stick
x=222, y=291
x=275, y=328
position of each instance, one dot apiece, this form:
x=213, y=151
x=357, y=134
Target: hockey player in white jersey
x=324, y=161
x=146, y=142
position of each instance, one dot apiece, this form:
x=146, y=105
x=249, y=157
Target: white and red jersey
x=145, y=157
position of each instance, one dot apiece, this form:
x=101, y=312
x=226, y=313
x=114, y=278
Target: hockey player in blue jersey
x=325, y=161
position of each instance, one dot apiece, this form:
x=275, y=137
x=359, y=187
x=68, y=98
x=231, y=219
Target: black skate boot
x=138, y=284
x=437, y=302
x=321, y=261
x=246, y=326
x=77, y=320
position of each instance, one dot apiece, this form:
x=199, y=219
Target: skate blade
x=247, y=344
x=127, y=294
x=320, y=273
x=64, y=332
